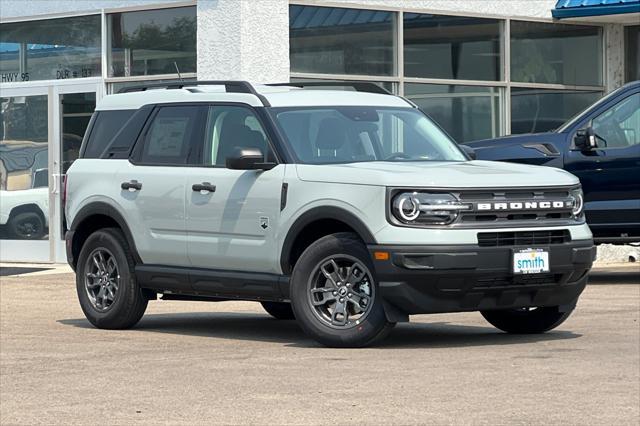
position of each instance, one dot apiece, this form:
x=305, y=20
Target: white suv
x=347, y=209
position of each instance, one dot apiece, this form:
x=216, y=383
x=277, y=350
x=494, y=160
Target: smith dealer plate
x=530, y=261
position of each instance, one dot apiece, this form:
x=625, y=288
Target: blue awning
x=579, y=8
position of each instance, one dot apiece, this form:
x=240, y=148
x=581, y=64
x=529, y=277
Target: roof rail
x=230, y=86
x=359, y=86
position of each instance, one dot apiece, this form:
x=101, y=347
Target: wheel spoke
x=111, y=266
x=340, y=315
x=355, y=274
x=333, y=278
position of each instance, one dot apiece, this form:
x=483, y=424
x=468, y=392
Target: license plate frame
x=530, y=261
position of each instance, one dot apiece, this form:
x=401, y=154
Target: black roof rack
x=230, y=86
x=359, y=86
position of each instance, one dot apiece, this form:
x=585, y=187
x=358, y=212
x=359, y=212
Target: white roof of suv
x=277, y=96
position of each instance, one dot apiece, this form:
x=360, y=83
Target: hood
x=468, y=174
x=510, y=140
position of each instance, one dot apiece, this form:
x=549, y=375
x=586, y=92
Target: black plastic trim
x=456, y=278
x=212, y=283
x=320, y=213
x=101, y=208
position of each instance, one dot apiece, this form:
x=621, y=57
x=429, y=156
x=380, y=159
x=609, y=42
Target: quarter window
x=170, y=137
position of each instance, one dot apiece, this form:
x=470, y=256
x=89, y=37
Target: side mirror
x=585, y=139
x=248, y=159
x=471, y=153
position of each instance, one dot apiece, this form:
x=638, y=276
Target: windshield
x=326, y=135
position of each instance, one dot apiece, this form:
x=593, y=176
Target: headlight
x=424, y=208
x=578, y=202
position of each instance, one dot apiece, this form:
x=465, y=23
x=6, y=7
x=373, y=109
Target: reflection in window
x=24, y=192
x=52, y=49
x=619, y=127
x=152, y=42
x=451, y=47
x=632, y=52
x=466, y=112
x=341, y=41
x=542, y=110
x=556, y=53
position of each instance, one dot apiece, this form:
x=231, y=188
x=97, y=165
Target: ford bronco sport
x=348, y=210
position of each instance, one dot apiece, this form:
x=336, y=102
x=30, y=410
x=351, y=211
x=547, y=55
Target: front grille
x=523, y=238
x=517, y=281
x=529, y=202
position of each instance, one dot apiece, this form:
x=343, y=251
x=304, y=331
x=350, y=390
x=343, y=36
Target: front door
x=232, y=214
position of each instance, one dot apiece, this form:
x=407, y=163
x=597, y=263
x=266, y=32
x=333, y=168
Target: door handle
x=133, y=184
x=204, y=186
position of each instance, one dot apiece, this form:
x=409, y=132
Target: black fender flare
x=102, y=208
x=320, y=213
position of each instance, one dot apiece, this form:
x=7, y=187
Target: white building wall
x=28, y=8
x=246, y=40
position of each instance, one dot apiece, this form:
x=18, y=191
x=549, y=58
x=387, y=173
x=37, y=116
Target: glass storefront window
x=76, y=113
x=24, y=148
x=452, y=47
x=467, y=113
x=632, y=52
x=341, y=41
x=52, y=49
x=556, y=53
x=542, y=110
x=152, y=42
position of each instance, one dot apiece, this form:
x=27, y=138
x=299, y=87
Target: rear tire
x=279, y=310
x=528, y=320
x=334, y=293
x=109, y=294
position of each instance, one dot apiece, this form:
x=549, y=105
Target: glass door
x=25, y=143
x=41, y=128
x=73, y=107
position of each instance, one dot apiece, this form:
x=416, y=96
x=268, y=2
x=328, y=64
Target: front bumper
x=435, y=279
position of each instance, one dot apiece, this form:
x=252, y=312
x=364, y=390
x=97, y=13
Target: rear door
x=152, y=183
x=610, y=173
x=232, y=224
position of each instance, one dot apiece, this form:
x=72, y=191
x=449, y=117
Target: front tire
x=107, y=289
x=334, y=293
x=279, y=310
x=527, y=320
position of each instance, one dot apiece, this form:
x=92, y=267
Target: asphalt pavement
x=230, y=363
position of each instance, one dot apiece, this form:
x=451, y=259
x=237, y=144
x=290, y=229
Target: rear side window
x=172, y=135
x=106, y=125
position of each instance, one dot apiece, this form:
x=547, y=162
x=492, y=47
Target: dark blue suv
x=601, y=146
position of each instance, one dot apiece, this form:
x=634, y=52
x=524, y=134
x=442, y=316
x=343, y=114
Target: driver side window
x=231, y=127
x=619, y=126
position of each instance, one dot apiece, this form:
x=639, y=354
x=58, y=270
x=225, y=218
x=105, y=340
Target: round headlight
x=578, y=202
x=423, y=208
x=407, y=207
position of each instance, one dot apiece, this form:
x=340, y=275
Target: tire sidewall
x=360, y=335
x=127, y=285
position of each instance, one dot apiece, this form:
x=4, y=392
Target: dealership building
x=480, y=68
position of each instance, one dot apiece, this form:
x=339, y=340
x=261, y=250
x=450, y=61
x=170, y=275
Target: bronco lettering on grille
x=525, y=205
